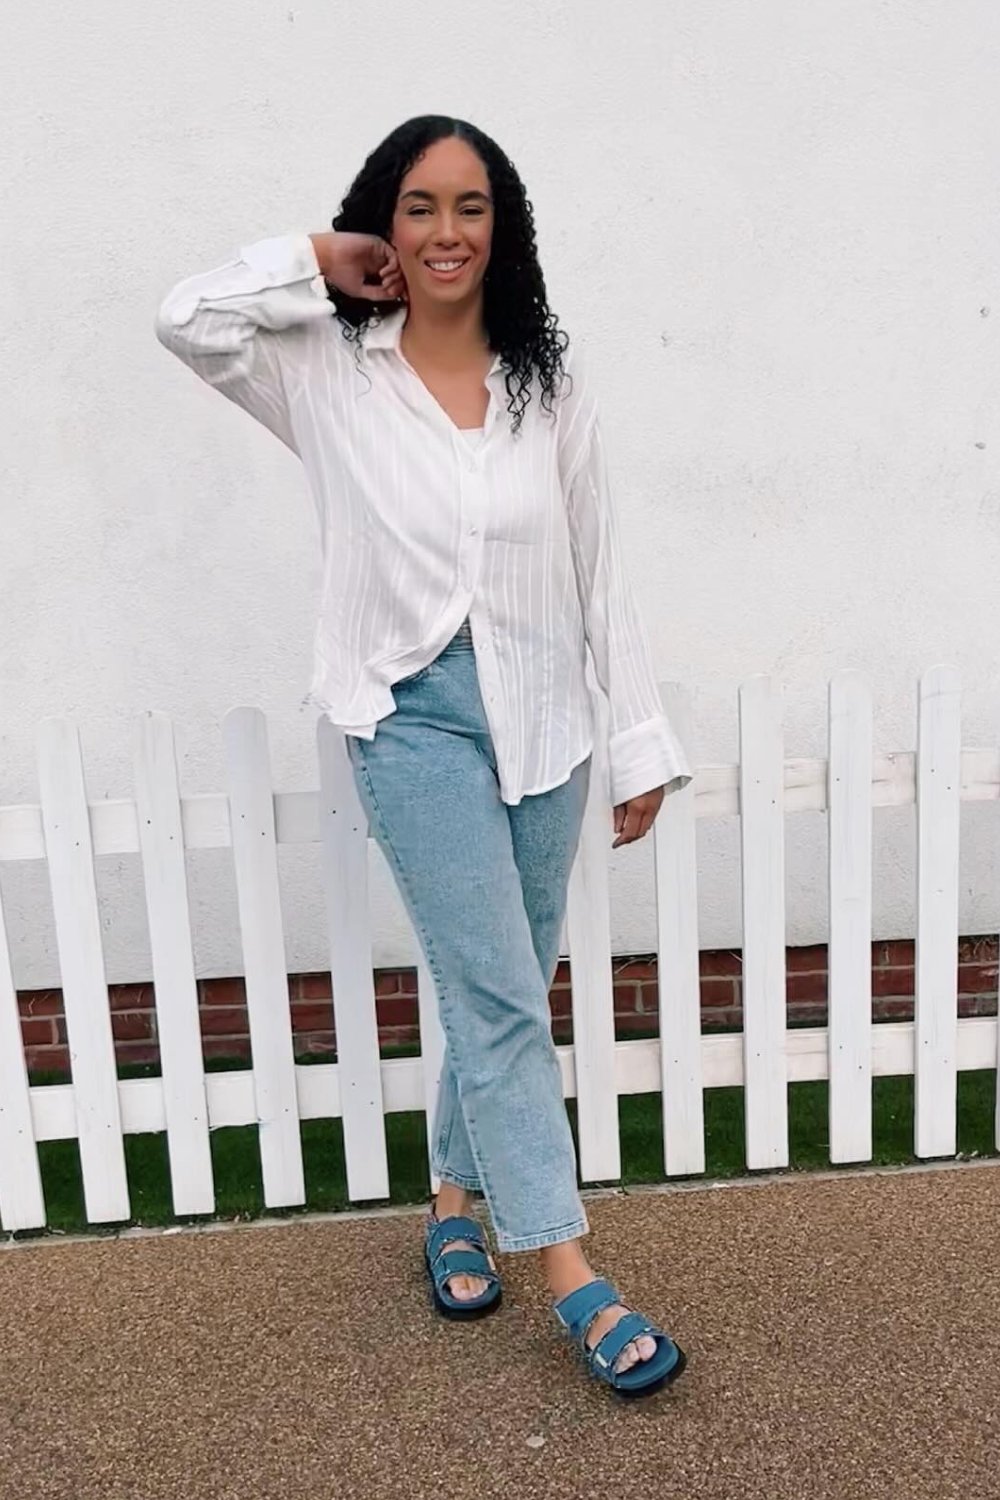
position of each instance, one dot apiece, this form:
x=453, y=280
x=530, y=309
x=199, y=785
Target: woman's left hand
x=634, y=819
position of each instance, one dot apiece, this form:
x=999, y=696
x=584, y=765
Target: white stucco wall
x=775, y=226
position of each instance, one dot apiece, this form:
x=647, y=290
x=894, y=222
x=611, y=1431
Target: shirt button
x=473, y=531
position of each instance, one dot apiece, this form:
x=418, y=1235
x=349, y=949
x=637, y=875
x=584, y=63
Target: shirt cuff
x=647, y=756
x=285, y=259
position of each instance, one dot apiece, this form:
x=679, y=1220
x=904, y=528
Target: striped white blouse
x=421, y=529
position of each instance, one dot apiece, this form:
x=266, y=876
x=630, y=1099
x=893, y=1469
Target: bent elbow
x=164, y=329
x=173, y=315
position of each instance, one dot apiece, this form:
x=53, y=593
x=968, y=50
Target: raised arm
x=644, y=751
x=238, y=325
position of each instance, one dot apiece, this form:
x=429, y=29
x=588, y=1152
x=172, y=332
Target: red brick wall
x=222, y=1002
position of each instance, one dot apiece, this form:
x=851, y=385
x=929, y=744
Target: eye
x=416, y=210
x=475, y=209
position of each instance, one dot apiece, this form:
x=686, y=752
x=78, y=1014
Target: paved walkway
x=843, y=1337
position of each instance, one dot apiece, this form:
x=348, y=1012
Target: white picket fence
x=276, y=1093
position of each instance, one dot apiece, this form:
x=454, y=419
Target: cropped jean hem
x=470, y=1184
x=514, y=1242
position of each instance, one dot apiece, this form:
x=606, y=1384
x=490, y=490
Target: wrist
x=324, y=249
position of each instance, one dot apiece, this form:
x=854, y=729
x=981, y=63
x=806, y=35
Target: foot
x=639, y=1349
x=462, y=1288
x=568, y=1270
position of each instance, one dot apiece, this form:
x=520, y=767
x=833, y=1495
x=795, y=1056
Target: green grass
x=236, y=1158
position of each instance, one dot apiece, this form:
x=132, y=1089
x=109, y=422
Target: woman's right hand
x=360, y=265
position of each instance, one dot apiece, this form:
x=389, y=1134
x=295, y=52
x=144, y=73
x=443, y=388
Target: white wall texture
x=774, y=225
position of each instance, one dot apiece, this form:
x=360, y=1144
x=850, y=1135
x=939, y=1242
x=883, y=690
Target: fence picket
x=22, y=1203
x=762, y=842
x=161, y=838
x=675, y=858
x=343, y=833
x=588, y=925
x=252, y=828
x=939, y=740
x=73, y=884
x=849, y=800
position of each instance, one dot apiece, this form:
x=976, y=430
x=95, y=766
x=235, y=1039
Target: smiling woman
x=472, y=560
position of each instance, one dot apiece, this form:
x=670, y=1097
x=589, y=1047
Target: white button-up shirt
x=420, y=529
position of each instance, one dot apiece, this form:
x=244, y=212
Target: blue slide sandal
x=442, y=1264
x=577, y=1311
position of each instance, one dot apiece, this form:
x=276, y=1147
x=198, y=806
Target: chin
x=454, y=293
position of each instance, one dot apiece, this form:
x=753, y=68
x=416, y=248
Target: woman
x=471, y=557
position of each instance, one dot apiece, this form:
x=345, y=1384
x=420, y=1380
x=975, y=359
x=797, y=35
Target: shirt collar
x=385, y=331
x=385, y=334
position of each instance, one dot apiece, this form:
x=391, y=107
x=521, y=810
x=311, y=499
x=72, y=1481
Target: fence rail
x=361, y=1088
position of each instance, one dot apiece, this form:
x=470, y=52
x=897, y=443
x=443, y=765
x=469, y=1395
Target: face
x=443, y=224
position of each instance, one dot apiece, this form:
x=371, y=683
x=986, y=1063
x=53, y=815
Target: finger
x=376, y=294
x=378, y=254
x=643, y=819
x=627, y=831
x=391, y=275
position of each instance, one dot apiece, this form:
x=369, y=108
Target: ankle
x=451, y=1201
x=566, y=1268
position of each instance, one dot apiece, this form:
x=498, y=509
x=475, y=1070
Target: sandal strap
x=462, y=1263
x=606, y=1351
x=442, y=1232
x=578, y=1310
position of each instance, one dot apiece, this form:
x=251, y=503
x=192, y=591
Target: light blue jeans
x=485, y=887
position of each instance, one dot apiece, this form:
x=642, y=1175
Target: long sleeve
x=233, y=325
x=644, y=750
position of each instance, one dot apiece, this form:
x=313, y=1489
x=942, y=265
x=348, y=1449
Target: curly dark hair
x=520, y=328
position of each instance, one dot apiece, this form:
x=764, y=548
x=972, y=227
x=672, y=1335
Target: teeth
x=445, y=265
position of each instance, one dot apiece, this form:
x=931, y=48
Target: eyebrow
x=429, y=197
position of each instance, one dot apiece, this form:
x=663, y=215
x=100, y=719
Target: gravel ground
x=843, y=1337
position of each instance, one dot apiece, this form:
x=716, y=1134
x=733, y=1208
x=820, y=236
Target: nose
x=448, y=233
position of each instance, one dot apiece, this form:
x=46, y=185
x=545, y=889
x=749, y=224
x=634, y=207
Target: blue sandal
x=577, y=1311
x=442, y=1264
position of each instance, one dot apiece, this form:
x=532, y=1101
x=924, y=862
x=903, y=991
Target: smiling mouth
x=445, y=266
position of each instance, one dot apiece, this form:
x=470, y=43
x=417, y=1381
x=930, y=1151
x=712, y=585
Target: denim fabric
x=485, y=886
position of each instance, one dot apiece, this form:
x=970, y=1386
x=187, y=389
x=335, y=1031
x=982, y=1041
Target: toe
x=468, y=1287
x=642, y=1348
x=628, y=1357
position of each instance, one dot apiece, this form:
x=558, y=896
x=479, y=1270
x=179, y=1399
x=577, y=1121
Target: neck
x=446, y=335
